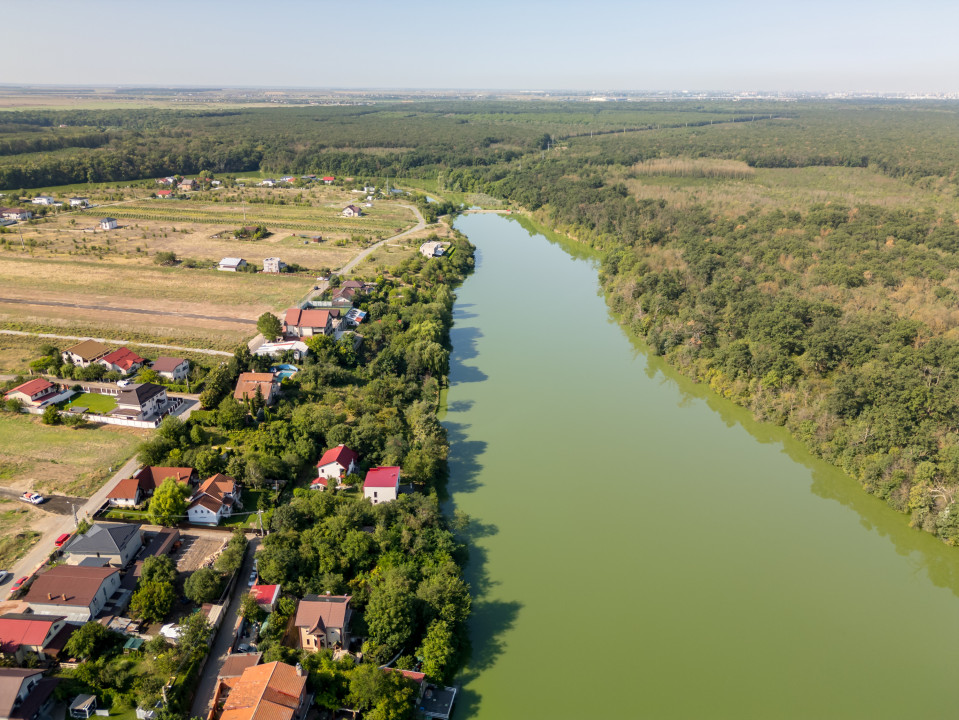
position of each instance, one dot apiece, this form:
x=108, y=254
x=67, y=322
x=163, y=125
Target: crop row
x=238, y=220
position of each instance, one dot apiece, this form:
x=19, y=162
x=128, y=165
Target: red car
x=18, y=584
x=61, y=540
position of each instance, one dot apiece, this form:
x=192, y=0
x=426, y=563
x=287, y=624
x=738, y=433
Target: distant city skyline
x=607, y=45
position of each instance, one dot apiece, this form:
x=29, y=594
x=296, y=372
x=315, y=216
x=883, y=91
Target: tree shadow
x=459, y=406
x=464, y=460
x=463, y=339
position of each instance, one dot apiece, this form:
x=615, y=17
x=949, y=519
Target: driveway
x=223, y=641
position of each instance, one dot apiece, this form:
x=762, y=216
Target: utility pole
x=76, y=523
x=259, y=514
x=20, y=231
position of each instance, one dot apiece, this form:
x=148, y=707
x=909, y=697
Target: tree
x=168, y=505
x=202, y=586
x=249, y=609
x=230, y=414
x=269, y=326
x=91, y=639
x=437, y=650
x=51, y=415
x=389, y=614
x=158, y=568
x=153, y=601
x=149, y=375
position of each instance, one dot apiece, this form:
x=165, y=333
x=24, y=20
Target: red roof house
x=382, y=484
x=266, y=596
x=151, y=477
x=126, y=493
x=122, y=360
x=33, y=393
x=306, y=323
x=164, y=193
x=335, y=464
x=328, y=179
x=21, y=632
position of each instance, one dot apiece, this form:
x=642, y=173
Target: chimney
x=299, y=669
x=49, y=596
x=64, y=596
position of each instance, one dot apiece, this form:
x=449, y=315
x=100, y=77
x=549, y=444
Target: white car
x=32, y=497
x=123, y=383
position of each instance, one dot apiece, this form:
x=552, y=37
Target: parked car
x=19, y=584
x=61, y=541
x=123, y=383
x=244, y=648
x=4, y=574
x=252, y=580
x=32, y=497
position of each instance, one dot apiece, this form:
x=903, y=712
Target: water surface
x=644, y=549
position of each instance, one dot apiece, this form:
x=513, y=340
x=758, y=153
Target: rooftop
x=68, y=585
x=318, y=612
x=88, y=350
x=104, y=538
x=385, y=477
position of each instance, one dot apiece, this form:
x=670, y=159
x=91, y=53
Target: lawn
x=94, y=402
x=70, y=461
x=250, y=499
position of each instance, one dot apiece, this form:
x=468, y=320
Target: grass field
x=68, y=461
x=16, y=537
x=94, y=402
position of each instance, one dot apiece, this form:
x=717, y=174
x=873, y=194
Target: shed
x=83, y=706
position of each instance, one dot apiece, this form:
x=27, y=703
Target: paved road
x=121, y=341
x=420, y=224
x=138, y=311
x=52, y=525
x=224, y=638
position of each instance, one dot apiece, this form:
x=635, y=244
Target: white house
x=382, y=484
x=171, y=368
x=352, y=211
x=108, y=224
x=270, y=182
x=141, y=402
x=43, y=200
x=273, y=349
x=15, y=214
x=214, y=500
x=85, y=352
x=25, y=694
x=431, y=249
x=34, y=393
x=231, y=264
x=78, y=202
x=76, y=592
x=273, y=265
x=307, y=323
x=122, y=360
x=335, y=464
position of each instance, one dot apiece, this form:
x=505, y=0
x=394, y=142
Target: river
x=641, y=548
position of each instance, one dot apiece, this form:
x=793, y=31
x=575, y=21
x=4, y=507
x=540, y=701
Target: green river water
x=641, y=548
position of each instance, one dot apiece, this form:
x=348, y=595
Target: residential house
x=186, y=184
x=171, y=368
x=116, y=543
x=84, y=353
x=142, y=401
x=34, y=393
x=273, y=265
x=307, y=323
x=23, y=633
x=329, y=179
x=323, y=621
x=107, y=223
x=248, y=383
x=335, y=465
x=122, y=360
x=431, y=249
x=44, y=200
x=164, y=194
x=269, y=182
x=273, y=349
x=235, y=664
x=78, y=593
x=79, y=202
x=275, y=691
x=26, y=694
x=214, y=500
x=15, y=214
x=151, y=477
x=126, y=493
x=266, y=596
x=231, y=264
x=166, y=181
x=382, y=484
x=352, y=211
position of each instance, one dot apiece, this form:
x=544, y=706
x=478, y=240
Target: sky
x=800, y=45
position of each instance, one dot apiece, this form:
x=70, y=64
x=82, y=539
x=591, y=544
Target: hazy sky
x=520, y=44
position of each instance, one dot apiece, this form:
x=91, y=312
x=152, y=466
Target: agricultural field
x=46, y=458
x=16, y=537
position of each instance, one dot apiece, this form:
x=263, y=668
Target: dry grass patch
x=34, y=456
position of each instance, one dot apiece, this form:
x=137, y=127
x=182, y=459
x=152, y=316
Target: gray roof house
x=115, y=543
x=25, y=694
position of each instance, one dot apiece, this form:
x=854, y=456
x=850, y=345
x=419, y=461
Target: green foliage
x=203, y=586
x=152, y=601
x=231, y=559
x=250, y=610
x=51, y=415
x=92, y=639
x=158, y=568
x=269, y=326
x=168, y=504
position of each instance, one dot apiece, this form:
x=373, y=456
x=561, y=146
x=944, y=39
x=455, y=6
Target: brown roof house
x=84, y=353
x=126, y=493
x=25, y=694
x=151, y=477
x=248, y=382
x=172, y=368
x=323, y=622
x=214, y=500
x=275, y=691
x=307, y=323
x=77, y=593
